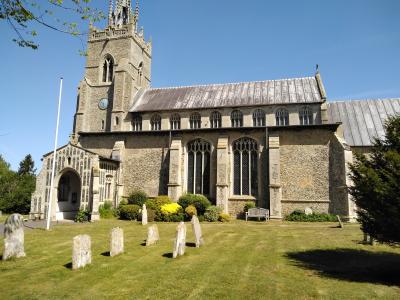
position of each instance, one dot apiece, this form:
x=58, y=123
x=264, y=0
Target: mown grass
x=254, y=260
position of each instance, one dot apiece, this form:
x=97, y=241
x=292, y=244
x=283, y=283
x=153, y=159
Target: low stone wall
x=290, y=206
x=236, y=206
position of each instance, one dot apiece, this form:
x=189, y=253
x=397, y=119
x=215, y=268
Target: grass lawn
x=254, y=260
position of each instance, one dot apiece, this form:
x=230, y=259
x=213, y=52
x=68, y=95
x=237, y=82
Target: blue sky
x=355, y=42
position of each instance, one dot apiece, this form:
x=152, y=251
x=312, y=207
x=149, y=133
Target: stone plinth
x=180, y=240
x=116, y=241
x=81, y=251
x=13, y=237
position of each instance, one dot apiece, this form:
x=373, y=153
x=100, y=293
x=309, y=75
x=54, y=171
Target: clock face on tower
x=103, y=103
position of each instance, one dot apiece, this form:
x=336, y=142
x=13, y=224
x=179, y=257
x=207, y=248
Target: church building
x=280, y=143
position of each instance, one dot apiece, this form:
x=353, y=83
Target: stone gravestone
x=116, y=241
x=14, y=237
x=180, y=241
x=1, y=213
x=152, y=235
x=144, y=215
x=340, y=221
x=81, y=251
x=197, y=231
x=308, y=211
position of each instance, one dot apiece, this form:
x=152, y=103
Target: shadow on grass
x=351, y=265
x=107, y=253
x=168, y=255
x=193, y=245
x=68, y=265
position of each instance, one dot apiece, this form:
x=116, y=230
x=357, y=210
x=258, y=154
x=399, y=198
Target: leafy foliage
x=16, y=188
x=212, y=213
x=129, y=212
x=376, y=189
x=190, y=211
x=248, y=205
x=106, y=210
x=24, y=16
x=82, y=216
x=300, y=216
x=224, y=218
x=138, y=197
x=199, y=201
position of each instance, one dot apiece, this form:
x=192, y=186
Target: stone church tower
x=118, y=66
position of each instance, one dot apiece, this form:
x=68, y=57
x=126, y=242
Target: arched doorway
x=68, y=195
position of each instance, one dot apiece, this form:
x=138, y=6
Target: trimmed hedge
x=129, y=212
x=199, y=201
x=137, y=197
x=300, y=216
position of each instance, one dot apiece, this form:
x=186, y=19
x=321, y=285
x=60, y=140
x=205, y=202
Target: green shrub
x=190, y=211
x=300, y=216
x=224, y=218
x=248, y=205
x=123, y=202
x=177, y=217
x=106, y=210
x=212, y=213
x=157, y=202
x=82, y=216
x=151, y=215
x=129, y=212
x=138, y=197
x=201, y=218
x=199, y=201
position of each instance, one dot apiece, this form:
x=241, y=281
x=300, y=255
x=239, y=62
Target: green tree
x=27, y=166
x=376, y=188
x=25, y=15
x=16, y=188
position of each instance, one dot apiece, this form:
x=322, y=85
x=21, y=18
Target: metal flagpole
x=54, y=159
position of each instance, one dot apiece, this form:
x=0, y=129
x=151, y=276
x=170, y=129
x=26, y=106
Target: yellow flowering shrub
x=170, y=208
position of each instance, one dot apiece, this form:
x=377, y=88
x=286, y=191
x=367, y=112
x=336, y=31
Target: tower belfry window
x=108, y=69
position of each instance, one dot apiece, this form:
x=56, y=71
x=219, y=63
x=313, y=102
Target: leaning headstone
x=152, y=235
x=308, y=211
x=13, y=237
x=197, y=231
x=81, y=251
x=144, y=215
x=1, y=213
x=116, y=241
x=340, y=221
x=180, y=241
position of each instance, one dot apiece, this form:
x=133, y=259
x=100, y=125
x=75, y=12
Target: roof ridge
x=228, y=83
x=362, y=99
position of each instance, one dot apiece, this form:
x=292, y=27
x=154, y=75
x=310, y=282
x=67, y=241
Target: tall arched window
x=175, y=122
x=195, y=121
x=199, y=153
x=282, y=117
x=137, y=122
x=237, y=118
x=245, y=157
x=306, y=116
x=258, y=118
x=155, y=122
x=215, y=119
x=108, y=69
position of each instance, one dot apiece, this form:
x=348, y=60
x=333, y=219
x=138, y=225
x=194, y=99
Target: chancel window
x=195, y=121
x=137, y=123
x=245, y=158
x=108, y=69
x=199, y=153
x=282, y=117
x=215, y=119
x=237, y=118
x=175, y=122
x=258, y=118
x=306, y=116
x=155, y=122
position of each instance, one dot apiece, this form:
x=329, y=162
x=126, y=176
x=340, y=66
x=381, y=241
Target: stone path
x=29, y=225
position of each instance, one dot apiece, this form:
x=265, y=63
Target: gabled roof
x=363, y=119
x=283, y=91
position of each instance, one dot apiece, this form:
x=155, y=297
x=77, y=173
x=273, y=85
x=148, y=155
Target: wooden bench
x=257, y=212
